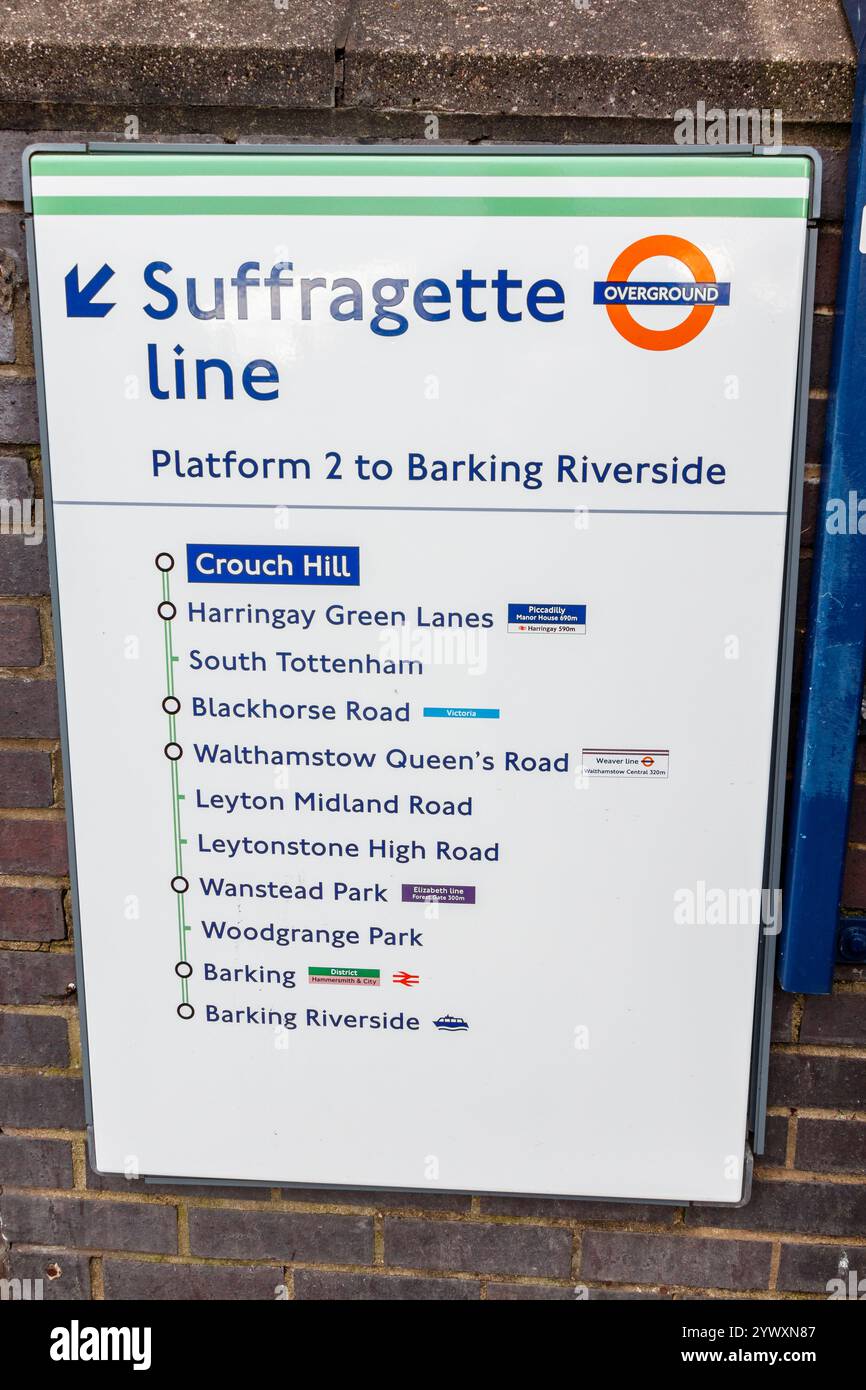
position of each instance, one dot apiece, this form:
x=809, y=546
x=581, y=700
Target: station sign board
x=421, y=528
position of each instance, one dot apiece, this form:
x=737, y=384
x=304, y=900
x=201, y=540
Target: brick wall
x=105, y=1237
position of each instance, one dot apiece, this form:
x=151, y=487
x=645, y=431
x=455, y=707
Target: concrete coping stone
x=586, y=58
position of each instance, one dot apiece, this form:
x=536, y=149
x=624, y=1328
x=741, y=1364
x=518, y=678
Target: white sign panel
x=420, y=528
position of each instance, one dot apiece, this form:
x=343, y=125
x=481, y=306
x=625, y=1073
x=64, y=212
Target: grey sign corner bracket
x=27, y=174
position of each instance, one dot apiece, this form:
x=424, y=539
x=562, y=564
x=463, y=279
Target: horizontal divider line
x=349, y=507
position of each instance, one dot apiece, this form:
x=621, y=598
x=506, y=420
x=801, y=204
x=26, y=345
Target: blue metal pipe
x=833, y=673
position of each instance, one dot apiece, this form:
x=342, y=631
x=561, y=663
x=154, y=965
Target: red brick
x=283, y=1236
x=35, y=1162
x=36, y=977
x=156, y=1281
x=577, y=1209
x=41, y=1102
x=336, y=1286
x=31, y=914
x=477, y=1248
x=533, y=1293
x=7, y=321
x=28, y=708
x=380, y=1199
x=796, y=680
x=804, y=581
x=18, y=420
x=783, y=1017
x=694, y=1261
x=817, y=1081
x=20, y=635
x=90, y=1225
x=822, y=344
x=12, y=238
x=809, y=1268
x=854, y=883
x=827, y=269
x=23, y=336
x=831, y=1146
x=857, y=822
x=65, y=1274
x=809, y=521
x=815, y=424
x=33, y=1040
x=813, y=1208
x=558, y=1293
x=835, y=172
x=25, y=778
x=834, y=1018
x=776, y=1142
x=33, y=847
x=23, y=567
x=15, y=480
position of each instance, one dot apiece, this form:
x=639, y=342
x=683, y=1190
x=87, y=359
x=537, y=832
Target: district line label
x=342, y=975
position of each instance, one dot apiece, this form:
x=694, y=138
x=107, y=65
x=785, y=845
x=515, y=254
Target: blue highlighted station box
x=273, y=564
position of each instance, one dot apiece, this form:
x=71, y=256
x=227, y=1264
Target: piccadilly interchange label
x=547, y=619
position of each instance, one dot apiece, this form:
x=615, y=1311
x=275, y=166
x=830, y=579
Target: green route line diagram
x=176, y=794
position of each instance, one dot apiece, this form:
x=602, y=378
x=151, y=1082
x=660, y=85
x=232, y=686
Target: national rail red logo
x=405, y=977
x=701, y=295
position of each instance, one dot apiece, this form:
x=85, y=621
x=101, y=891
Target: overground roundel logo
x=702, y=294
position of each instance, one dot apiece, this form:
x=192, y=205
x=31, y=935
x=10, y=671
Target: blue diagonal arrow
x=79, y=299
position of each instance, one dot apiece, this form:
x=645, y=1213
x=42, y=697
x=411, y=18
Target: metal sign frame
x=776, y=788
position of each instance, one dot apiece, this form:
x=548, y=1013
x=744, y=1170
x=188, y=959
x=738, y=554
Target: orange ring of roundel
x=660, y=339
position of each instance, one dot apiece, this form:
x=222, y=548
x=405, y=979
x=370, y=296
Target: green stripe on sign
x=413, y=165
x=266, y=206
